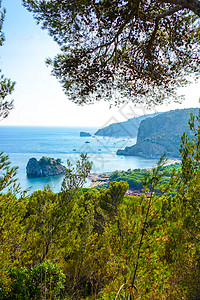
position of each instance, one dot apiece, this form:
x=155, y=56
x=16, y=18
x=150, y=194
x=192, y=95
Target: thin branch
x=137, y=7
x=141, y=239
x=193, y=5
x=145, y=224
x=121, y=287
x=158, y=18
x=128, y=18
x=111, y=56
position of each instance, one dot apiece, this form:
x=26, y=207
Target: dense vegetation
x=110, y=49
x=71, y=245
x=49, y=161
x=135, y=177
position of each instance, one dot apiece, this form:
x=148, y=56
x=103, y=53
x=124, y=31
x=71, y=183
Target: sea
x=23, y=143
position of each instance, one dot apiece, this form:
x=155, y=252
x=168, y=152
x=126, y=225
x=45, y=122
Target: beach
x=97, y=179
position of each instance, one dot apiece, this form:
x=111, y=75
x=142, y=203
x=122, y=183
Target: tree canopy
x=6, y=85
x=142, y=50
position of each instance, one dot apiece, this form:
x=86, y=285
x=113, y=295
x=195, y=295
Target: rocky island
x=44, y=167
x=83, y=134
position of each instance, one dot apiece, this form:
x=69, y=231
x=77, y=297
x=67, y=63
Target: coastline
x=170, y=161
x=97, y=179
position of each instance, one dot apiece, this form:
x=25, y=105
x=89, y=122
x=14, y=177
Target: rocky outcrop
x=161, y=134
x=33, y=168
x=146, y=149
x=83, y=134
x=44, y=167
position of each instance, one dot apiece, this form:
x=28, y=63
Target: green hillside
x=161, y=134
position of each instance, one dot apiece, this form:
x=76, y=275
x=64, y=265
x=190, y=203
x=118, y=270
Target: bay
x=23, y=143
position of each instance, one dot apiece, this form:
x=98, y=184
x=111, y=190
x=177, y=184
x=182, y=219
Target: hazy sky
x=38, y=96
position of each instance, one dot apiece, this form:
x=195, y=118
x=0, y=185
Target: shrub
x=43, y=281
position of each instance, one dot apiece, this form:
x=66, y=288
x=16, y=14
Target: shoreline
x=170, y=161
x=97, y=179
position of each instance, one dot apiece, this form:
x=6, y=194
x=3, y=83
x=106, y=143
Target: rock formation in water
x=83, y=134
x=44, y=167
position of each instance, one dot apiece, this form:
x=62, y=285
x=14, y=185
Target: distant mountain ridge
x=161, y=134
x=127, y=128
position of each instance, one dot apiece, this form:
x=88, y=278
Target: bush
x=43, y=281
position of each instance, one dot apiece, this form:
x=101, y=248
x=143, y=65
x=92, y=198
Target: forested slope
x=161, y=134
x=74, y=245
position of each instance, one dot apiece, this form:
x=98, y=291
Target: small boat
x=87, y=142
x=74, y=149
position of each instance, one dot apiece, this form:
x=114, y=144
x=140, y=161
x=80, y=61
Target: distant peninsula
x=44, y=167
x=127, y=129
x=161, y=134
x=83, y=134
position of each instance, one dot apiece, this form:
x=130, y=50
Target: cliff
x=44, y=167
x=127, y=129
x=161, y=134
x=146, y=149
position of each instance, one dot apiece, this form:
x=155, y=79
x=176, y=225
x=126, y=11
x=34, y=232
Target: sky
x=38, y=96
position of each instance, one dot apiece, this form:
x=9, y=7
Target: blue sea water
x=22, y=143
